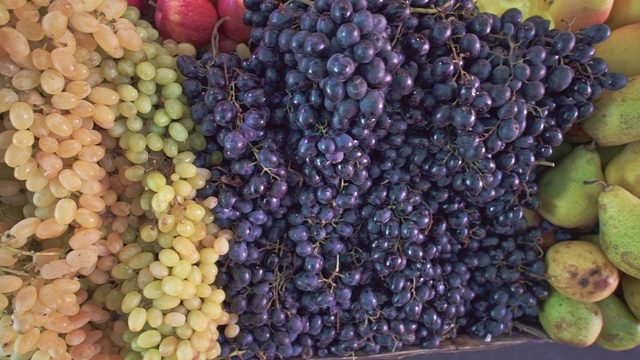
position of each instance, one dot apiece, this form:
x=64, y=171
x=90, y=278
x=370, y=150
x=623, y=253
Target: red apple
x=226, y=43
x=190, y=21
x=234, y=27
x=140, y=4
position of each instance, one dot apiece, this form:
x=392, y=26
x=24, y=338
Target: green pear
x=608, y=153
x=620, y=330
x=619, y=214
x=624, y=169
x=614, y=120
x=631, y=292
x=565, y=200
x=570, y=321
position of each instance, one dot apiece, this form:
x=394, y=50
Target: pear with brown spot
x=581, y=271
x=619, y=215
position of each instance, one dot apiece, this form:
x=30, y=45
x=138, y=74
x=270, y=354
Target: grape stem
x=306, y=2
x=430, y=11
x=11, y=271
x=215, y=35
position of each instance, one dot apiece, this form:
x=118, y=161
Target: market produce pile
x=364, y=181
x=375, y=163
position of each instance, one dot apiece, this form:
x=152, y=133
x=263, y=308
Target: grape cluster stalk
x=377, y=163
x=106, y=251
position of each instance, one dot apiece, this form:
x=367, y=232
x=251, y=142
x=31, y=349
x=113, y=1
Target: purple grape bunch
x=376, y=161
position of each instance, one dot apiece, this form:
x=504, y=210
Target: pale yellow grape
x=24, y=343
x=82, y=257
x=122, y=271
x=129, y=251
x=79, y=88
x=75, y=337
x=51, y=296
x=154, y=317
x=64, y=61
x=108, y=41
x=26, y=79
x=131, y=301
x=83, y=109
x=7, y=98
x=166, y=302
x=149, y=339
x=65, y=211
x=104, y=96
x=25, y=299
x=68, y=149
x=153, y=290
x=15, y=156
x=21, y=115
x=23, y=138
x=91, y=202
x=136, y=319
x=41, y=59
x=231, y=330
x=91, y=153
x=103, y=116
x=64, y=100
x=172, y=286
x=88, y=219
x=129, y=39
x=25, y=228
x=4, y=15
x=52, y=81
x=169, y=257
x=184, y=350
x=31, y=30
x=70, y=180
x=141, y=261
x=182, y=269
x=13, y=42
x=54, y=24
x=84, y=22
x=168, y=346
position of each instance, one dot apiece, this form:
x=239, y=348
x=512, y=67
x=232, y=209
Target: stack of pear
x=615, y=118
x=624, y=169
x=619, y=215
x=565, y=200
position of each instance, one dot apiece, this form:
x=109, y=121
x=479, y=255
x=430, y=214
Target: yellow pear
x=564, y=198
x=620, y=330
x=619, y=215
x=624, y=169
x=622, y=59
x=570, y=321
x=615, y=118
x=624, y=12
x=631, y=292
x=581, y=271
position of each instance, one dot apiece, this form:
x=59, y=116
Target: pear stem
x=590, y=146
x=545, y=163
x=605, y=186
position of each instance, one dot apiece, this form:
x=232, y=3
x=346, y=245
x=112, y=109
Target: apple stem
x=153, y=3
x=215, y=36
